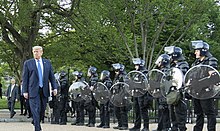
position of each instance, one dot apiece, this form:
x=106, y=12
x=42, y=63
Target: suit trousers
x=22, y=104
x=38, y=107
x=11, y=105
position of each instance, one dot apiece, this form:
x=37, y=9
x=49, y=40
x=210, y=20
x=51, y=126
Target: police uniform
x=142, y=103
x=104, y=108
x=163, y=108
x=121, y=113
x=91, y=105
x=63, y=99
x=54, y=104
x=79, y=105
x=179, y=109
x=205, y=106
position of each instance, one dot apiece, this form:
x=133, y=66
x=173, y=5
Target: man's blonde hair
x=37, y=47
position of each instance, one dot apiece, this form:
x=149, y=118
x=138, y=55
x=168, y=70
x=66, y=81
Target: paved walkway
x=22, y=123
x=26, y=126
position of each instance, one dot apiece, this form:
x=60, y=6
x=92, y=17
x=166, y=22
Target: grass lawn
x=3, y=103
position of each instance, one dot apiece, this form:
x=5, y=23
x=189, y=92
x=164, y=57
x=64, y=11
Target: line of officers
x=170, y=117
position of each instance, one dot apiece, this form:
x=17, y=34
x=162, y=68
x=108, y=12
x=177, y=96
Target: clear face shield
x=102, y=76
x=57, y=76
x=158, y=61
x=75, y=74
x=116, y=66
x=197, y=44
x=169, y=49
x=136, y=61
x=89, y=73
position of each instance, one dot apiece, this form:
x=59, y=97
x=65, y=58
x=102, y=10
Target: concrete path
x=22, y=123
x=27, y=126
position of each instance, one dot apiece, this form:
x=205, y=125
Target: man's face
x=136, y=67
x=12, y=81
x=37, y=53
x=197, y=53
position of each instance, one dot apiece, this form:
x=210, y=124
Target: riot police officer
x=204, y=106
x=143, y=103
x=54, y=103
x=163, y=64
x=179, y=109
x=104, y=108
x=79, y=105
x=91, y=105
x=63, y=97
x=121, y=113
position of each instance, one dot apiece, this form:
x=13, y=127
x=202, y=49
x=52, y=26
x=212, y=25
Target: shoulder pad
x=212, y=58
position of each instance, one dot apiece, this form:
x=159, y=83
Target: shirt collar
x=39, y=60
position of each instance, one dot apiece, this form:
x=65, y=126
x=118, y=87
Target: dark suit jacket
x=30, y=78
x=14, y=94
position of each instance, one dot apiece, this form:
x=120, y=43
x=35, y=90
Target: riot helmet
x=104, y=74
x=174, y=52
x=163, y=60
x=91, y=71
x=78, y=74
x=138, y=61
x=63, y=74
x=202, y=46
x=118, y=67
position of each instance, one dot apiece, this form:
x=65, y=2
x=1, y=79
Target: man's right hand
x=25, y=95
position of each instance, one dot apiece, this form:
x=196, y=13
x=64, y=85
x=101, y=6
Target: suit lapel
x=44, y=67
x=33, y=64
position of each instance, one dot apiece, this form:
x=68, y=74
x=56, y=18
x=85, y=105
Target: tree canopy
x=76, y=34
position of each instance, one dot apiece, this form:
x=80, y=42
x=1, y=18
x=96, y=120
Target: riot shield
x=86, y=93
x=202, y=82
x=137, y=82
x=75, y=91
x=172, y=81
x=101, y=93
x=155, y=77
x=119, y=94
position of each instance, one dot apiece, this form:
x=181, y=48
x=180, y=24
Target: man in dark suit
x=13, y=96
x=37, y=73
x=22, y=99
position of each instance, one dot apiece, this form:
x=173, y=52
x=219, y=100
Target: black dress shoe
x=106, y=126
x=100, y=126
x=54, y=122
x=12, y=115
x=123, y=128
x=145, y=129
x=74, y=123
x=29, y=117
x=62, y=123
x=32, y=122
x=134, y=129
x=79, y=124
x=21, y=114
x=116, y=127
x=91, y=125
